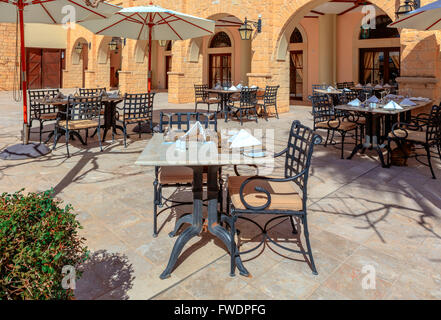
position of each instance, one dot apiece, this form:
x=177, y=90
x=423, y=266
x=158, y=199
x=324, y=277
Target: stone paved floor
x=359, y=215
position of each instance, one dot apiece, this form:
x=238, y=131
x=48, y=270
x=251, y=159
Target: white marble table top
x=158, y=152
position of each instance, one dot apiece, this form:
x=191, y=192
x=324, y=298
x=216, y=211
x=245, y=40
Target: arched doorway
x=168, y=61
x=220, y=60
x=80, y=57
x=115, y=46
x=297, y=52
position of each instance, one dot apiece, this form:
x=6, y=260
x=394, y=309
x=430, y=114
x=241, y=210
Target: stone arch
x=140, y=51
x=75, y=56
x=103, y=50
x=299, y=9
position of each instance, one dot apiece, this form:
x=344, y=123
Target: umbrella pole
x=23, y=73
x=149, y=74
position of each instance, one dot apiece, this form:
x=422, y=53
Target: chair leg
x=125, y=134
x=233, y=246
x=195, y=107
x=427, y=147
x=67, y=142
x=87, y=134
x=389, y=151
x=293, y=225
x=343, y=134
x=41, y=129
x=308, y=245
x=99, y=138
x=155, y=208
x=55, y=137
x=277, y=113
x=240, y=115
x=327, y=138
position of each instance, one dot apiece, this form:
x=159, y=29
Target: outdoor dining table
x=333, y=93
x=373, y=116
x=224, y=96
x=199, y=155
x=109, y=113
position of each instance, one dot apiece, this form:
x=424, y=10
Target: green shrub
x=37, y=238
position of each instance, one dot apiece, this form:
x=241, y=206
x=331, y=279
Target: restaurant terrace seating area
x=198, y=176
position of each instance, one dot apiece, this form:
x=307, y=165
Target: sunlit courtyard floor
x=362, y=217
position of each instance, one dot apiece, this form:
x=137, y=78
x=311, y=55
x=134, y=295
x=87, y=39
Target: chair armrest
x=280, y=153
x=333, y=126
x=263, y=190
x=404, y=127
x=236, y=171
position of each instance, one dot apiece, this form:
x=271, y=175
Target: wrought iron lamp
x=408, y=6
x=246, y=29
x=113, y=44
x=79, y=48
x=162, y=43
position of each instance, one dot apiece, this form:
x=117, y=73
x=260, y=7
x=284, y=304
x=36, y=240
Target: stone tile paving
x=359, y=214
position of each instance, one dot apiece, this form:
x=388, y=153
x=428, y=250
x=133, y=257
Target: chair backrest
x=433, y=131
x=182, y=120
x=248, y=97
x=348, y=96
x=340, y=85
x=365, y=91
x=88, y=92
x=84, y=108
x=322, y=109
x=349, y=84
x=318, y=86
x=200, y=92
x=301, y=143
x=39, y=108
x=270, y=95
x=138, y=106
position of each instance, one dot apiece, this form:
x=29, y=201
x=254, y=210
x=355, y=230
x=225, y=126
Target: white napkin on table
x=239, y=86
x=378, y=86
x=407, y=102
x=369, y=85
x=253, y=87
x=331, y=88
x=358, y=85
x=195, y=130
x=346, y=89
x=218, y=87
x=244, y=139
x=392, y=105
x=373, y=99
x=387, y=85
x=355, y=103
x=232, y=88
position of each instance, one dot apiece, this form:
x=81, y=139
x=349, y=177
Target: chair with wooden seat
x=326, y=118
x=137, y=108
x=284, y=197
x=178, y=176
x=82, y=113
x=40, y=111
x=424, y=130
x=201, y=96
x=269, y=100
x=356, y=117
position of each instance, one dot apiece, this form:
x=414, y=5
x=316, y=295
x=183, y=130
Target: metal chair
x=284, y=197
x=269, y=100
x=89, y=92
x=178, y=176
x=40, y=111
x=137, y=108
x=424, y=130
x=246, y=103
x=326, y=118
x=203, y=97
x=82, y=113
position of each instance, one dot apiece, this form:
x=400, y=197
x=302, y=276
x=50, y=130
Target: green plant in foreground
x=37, y=238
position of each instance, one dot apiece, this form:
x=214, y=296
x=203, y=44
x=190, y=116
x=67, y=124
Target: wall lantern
x=407, y=7
x=246, y=29
x=113, y=44
x=79, y=48
x=162, y=43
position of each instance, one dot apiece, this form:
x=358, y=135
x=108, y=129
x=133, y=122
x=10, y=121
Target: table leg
x=367, y=137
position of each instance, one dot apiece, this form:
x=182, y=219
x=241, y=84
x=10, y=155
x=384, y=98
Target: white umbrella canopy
x=151, y=23
x=135, y=23
x=53, y=11
x=425, y=18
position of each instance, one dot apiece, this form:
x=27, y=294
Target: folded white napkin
x=355, y=103
x=331, y=88
x=369, y=85
x=378, y=86
x=196, y=129
x=253, y=87
x=232, y=88
x=387, y=85
x=218, y=87
x=358, y=85
x=407, y=102
x=373, y=99
x=392, y=105
x=244, y=139
x=346, y=89
x=239, y=86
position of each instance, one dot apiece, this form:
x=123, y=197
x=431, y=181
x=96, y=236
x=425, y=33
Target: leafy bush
x=37, y=238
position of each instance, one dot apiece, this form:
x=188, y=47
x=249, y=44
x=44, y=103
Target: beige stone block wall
x=7, y=55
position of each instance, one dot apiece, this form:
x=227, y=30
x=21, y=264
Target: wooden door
x=85, y=58
x=51, y=68
x=220, y=69
x=296, y=75
x=33, y=72
x=168, y=68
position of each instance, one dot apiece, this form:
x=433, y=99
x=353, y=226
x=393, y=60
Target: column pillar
x=327, y=48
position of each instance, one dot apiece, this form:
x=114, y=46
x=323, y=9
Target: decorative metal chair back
x=200, y=92
x=86, y=92
x=322, y=109
x=349, y=84
x=369, y=92
x=348, y=96
x=83, y=108
x=270, y=95
x=183, y=120
x=340, y=85
x=433, y=131
x=301, y=143
x=138, y=106
x=317, y=86
x=39, y=108
x=248, y=97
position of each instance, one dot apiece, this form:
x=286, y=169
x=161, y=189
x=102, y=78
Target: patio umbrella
x=151, y=23
x=425, y=18
x=47, y=12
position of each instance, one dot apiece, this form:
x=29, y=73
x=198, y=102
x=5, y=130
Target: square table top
x=222, y=91
x=419, y=104
x=325, y=91
x=158, y=152
x=64, y=101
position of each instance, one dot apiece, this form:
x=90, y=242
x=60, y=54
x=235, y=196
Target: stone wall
x=8, y=55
